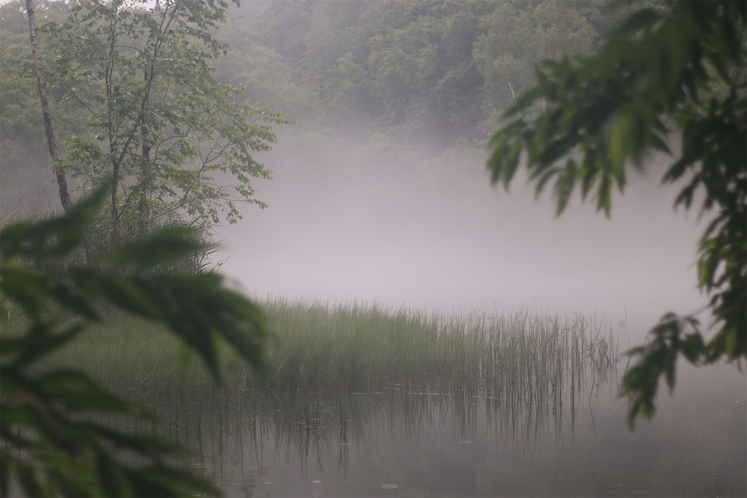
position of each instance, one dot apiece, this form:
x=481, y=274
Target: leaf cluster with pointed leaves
x=53, y=438
x=160, y=124
x=663, y=76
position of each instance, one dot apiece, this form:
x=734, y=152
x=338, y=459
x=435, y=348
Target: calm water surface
x=396, y=443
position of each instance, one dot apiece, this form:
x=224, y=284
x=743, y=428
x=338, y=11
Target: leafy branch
x=674, y=75
x=52, y=440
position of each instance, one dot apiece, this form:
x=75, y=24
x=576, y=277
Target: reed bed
x=519, y=356
x=337, y=374
x=364, y=348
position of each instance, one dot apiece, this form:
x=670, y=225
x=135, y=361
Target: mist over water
x=425, y=230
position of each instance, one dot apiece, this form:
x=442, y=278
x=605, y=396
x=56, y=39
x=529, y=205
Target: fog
x=401, y=228
x=409, y=226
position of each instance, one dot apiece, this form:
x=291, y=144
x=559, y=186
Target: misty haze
x=419, y=329
x=371, y=226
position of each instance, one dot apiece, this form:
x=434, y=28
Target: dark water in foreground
x=395, y=443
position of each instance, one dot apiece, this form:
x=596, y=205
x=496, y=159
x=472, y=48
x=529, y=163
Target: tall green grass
x=519, y=356
x=336, y=372
x=362, y=348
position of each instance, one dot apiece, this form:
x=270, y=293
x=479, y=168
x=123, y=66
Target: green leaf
x=693, y=347
x=133, y=295
x=35, y=346
x=29, y=481
x=110, y=477
x=78, y=392
x=675, y=171
x=55, y=237
x=565, y=184
x=621, y=140
x=638, y=21
x=165, y=246
x=6, y=470
x=512, y=163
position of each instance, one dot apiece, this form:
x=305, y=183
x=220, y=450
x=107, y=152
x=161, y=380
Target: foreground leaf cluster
x=54, y=440
x=673, y=75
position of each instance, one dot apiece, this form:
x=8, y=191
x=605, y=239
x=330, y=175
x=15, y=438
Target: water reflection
x=545, y=435
x=394, y=442
x=243, y=438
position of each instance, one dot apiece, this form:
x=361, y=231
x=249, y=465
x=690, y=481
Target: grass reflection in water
x=340, y=375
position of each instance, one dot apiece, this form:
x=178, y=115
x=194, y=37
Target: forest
x=393, y=71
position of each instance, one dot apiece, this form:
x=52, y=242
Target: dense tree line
x=435, y=69
x=432, y=71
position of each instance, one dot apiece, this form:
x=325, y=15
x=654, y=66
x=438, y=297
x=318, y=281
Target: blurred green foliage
x=52, y=424
x=667, y=76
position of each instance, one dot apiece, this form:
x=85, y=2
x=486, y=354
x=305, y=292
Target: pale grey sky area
x=339, y=231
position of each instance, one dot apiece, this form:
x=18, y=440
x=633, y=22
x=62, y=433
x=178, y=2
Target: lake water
x=395, y=443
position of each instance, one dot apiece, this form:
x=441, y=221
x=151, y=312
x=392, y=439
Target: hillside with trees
x=411, y=72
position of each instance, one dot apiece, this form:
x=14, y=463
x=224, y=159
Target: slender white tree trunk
x=51, y=143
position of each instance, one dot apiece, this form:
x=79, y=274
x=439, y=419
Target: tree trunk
x=143, y=208
x=51, y=143
x=113, y=211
